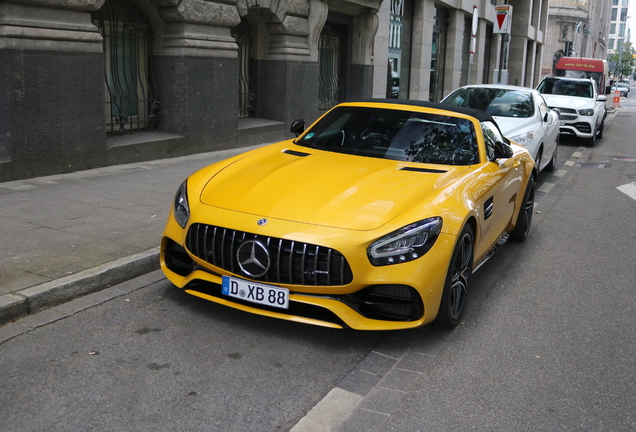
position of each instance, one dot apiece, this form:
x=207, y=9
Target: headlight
x=586, y=112
x=405, y=244
x=181, y=206
x=523, y=139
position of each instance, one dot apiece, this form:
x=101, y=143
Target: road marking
x=329, y=412
x=577, y=155
x=546, y=187
x=628, y=189
x=560, y=173
x=569, y=163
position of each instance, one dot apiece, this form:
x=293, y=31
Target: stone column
x=381, y=51
x=52, y=85
x=196, y=73
x=454, y=44
x=288, y=73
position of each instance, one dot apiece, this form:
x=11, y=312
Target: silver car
x=522, y=115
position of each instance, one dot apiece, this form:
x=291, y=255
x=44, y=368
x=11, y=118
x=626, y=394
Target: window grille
x=396, y=25
x=331, y=90
x=247, y=98
x=131, y=96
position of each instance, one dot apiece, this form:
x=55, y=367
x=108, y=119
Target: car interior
x=396, y=135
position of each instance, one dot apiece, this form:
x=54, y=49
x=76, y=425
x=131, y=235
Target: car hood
x=513, y=126
x=323, y=188
x=560, y=101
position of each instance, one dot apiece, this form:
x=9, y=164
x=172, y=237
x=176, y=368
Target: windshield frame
x=395, y=134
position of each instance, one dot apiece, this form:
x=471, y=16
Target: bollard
x=617, y=99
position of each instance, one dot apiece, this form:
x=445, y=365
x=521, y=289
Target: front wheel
x=524, y=220
x=538, y=160
x=455, y=291
x=601, y=128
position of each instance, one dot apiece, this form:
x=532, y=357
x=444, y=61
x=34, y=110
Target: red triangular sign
x=501, y=17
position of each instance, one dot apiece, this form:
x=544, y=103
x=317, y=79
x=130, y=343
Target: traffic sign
x=503, y=18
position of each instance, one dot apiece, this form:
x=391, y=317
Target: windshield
x=396, y=135
x=566, y=87
x=496, y=102
x=596, y=76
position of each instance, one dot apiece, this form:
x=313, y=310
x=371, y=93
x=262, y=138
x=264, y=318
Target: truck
x=581, y=67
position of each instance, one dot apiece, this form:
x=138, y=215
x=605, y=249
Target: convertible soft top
x=479, y=115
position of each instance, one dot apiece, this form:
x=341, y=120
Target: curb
x=43, y=296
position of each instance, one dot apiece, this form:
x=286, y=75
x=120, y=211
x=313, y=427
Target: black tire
x=524, y=220
x=601, y=128
x=455, y=291
x=538, y=159
x=591, y=141
x=552, y=165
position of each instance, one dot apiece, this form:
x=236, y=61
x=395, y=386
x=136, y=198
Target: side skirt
x=502, y=241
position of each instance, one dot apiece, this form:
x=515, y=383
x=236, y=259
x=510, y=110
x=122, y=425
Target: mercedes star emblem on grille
x=262, y=222
x=253, y=258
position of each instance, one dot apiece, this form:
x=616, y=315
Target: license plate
x=266, y=295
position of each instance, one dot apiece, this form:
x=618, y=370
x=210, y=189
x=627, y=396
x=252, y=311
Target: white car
x=522, y=115
x=581, y=107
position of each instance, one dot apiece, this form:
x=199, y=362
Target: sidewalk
x=67, y=235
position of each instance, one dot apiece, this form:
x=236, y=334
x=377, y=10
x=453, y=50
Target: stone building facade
x=88, y=83
x=581, y=26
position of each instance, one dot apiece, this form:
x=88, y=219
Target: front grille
x=291, y=262
x=567, y=113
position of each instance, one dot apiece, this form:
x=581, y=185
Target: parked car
x=621, y=87
x=522, y=115
x=374, y=218
x=581, y=107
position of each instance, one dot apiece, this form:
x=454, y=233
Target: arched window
x=331, y=89
x=130, y=97
x=247, y=98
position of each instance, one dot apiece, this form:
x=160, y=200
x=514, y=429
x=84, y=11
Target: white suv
x=582, y=109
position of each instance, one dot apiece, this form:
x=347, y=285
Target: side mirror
x=601, y=98
x=297, y=127
x=503, y=150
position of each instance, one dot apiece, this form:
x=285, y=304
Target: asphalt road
x=548, y=342
x=551, y=345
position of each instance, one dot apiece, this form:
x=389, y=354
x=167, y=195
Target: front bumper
x=579, y=129
x=389, y=297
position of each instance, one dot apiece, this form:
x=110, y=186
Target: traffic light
x=568, y=49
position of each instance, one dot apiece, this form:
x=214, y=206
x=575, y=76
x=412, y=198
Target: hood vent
x=424, y=170
x=296, y=153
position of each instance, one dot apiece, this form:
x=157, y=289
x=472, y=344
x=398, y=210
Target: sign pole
x=503, y=15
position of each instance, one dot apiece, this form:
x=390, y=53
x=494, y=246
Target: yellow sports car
x=374, y=218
